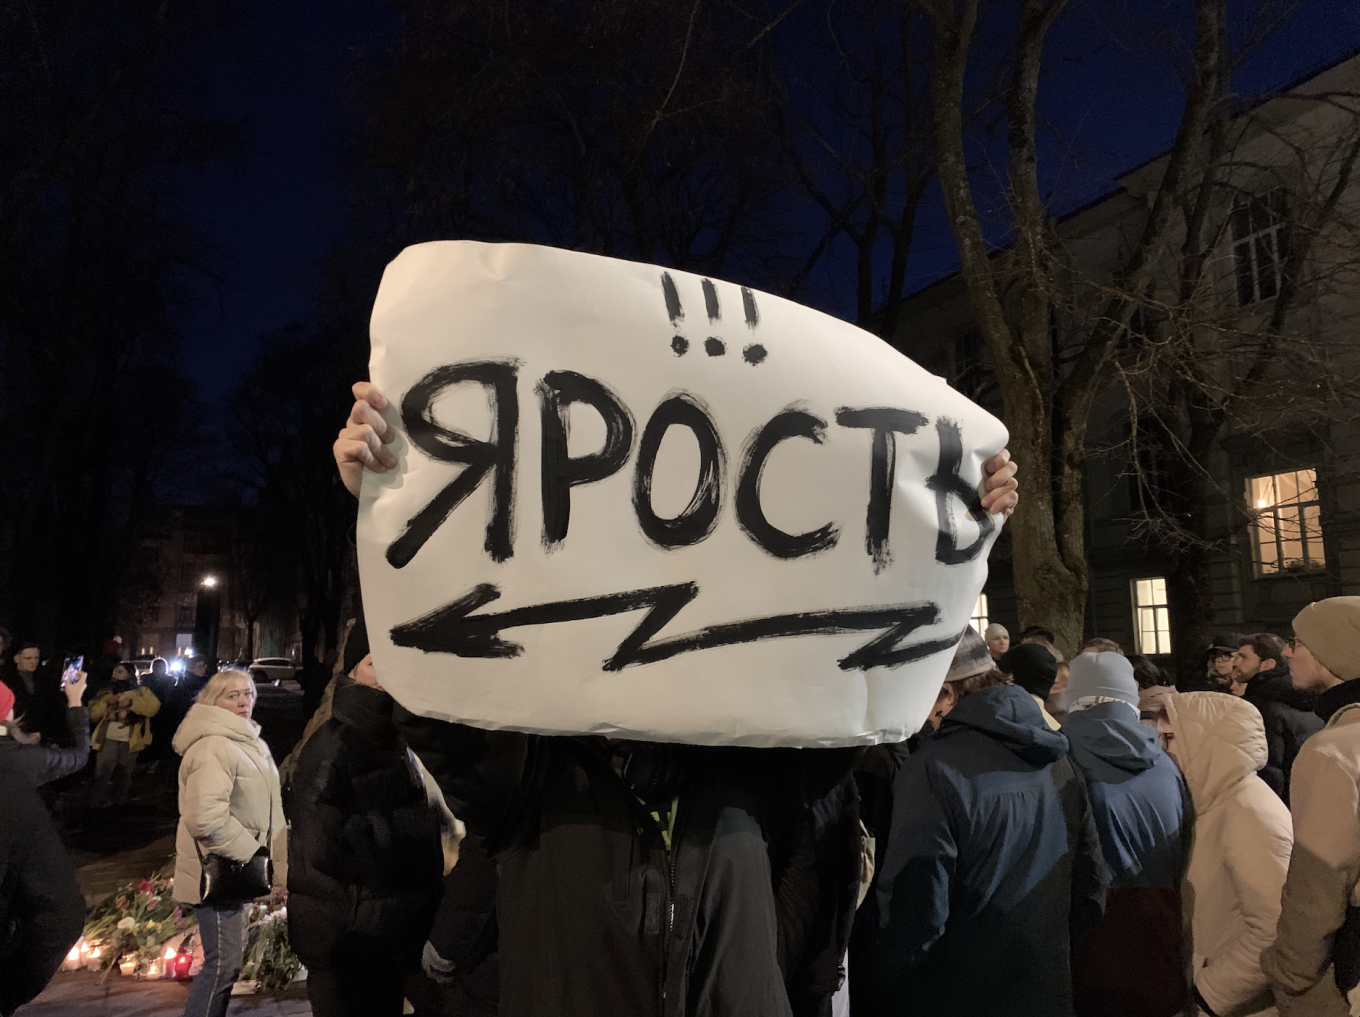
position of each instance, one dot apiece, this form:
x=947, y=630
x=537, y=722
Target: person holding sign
x=639, y=877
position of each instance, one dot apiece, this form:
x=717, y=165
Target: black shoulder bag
x=226, y=883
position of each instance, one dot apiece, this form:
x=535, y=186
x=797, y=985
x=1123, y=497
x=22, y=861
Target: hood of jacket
x=202, y=720
x=366, y=709
x=1009, y=715
x=1220, y=741
x=1108, y=741
x=1277, y=686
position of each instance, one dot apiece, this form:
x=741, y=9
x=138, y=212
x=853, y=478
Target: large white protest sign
x=636, y=502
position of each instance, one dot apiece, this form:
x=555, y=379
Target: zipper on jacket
x=671, y=852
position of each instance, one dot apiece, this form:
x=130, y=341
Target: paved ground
x=82, y=994
x=112, y=847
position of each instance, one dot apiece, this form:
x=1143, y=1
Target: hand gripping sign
x=635, y=502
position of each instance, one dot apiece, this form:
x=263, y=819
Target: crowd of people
x=1063, y=837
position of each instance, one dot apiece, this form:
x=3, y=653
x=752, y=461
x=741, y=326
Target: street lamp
x=206, y=615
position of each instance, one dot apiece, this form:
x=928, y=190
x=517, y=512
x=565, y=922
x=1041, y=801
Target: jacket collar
x=366, y=709
x=203, y=720
x=1338, y=696
x=1277, y=685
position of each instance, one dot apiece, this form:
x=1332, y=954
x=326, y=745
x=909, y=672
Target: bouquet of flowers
x=137, y=921
x=140, y=921
x=269, y=960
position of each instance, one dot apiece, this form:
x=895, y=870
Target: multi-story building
x=1284, y=508
x=200, y=556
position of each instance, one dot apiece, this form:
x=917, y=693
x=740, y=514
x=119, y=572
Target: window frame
x=1161, y=612
x=981, y=617
x=1258, y=242
x=1282, y=521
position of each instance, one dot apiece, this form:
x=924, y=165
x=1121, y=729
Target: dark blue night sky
x=1112, y=101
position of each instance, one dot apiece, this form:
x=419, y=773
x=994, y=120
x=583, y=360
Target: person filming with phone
x=122, y=716
x=41, y=907
x=23, y=752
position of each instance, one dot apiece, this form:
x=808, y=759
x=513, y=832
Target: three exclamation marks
x=714, y=346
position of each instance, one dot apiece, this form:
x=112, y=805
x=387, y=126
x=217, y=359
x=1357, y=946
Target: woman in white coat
x=1240, y=854
x=228, y=805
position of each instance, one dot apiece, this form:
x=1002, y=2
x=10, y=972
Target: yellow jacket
x=141, y=704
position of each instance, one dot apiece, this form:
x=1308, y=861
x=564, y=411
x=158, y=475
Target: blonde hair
x=217, y=684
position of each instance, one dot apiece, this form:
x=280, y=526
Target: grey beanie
x=970, y=658
x=995, y=629
x=1102, y=674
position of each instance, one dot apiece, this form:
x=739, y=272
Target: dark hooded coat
x=992, y=871
x=365, y=860
x=597, y=915
x=41, y=907
x=1131, y=964
x=1289, y=719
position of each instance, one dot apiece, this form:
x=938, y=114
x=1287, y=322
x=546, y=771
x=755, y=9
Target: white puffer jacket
x=228, y=792
x=1240, y=851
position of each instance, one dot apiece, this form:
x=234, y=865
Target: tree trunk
x=1189, y=598
x=1048, y=590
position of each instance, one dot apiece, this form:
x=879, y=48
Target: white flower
x=127, y=923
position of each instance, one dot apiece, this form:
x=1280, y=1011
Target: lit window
x=1288, y=527
x=980, y=620
x=1258, y=246
x=1152, y=620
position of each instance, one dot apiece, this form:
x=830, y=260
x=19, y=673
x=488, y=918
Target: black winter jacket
x=464, y=935
x=40, y=764
x=364, y=851
x=992, y=873
x=41, y=907
x=40, y=707
x=1289, y=720
x=596, y=916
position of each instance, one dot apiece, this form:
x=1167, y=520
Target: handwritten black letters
x=494, y=461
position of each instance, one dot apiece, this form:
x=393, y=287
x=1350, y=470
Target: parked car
x=272, y=670
x=142, y=663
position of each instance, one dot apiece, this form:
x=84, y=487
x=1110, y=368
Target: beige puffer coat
x=1323, y=872
x=1240, y=851
x=228, y=790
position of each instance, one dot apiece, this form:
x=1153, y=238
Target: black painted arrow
x=455, y=629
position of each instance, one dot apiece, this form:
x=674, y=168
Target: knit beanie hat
x=6, y=700
x=356, y=645
x=1102, y=674
x=995, y=629
x=970, y=658
x=1032, y=667
x=1331, y=630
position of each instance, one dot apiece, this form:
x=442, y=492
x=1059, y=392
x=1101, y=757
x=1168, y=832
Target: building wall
x=937, y=323
x=196, y=543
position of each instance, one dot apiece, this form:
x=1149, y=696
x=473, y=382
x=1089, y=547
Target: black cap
x=1224, y=642
x=1032, y=666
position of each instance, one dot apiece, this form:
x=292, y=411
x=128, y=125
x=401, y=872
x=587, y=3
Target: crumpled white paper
x=634, y=502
